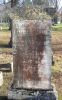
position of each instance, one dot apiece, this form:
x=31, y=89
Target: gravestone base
x=23, y=94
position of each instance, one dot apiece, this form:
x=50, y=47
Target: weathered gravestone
x=32, y=61
x=32, y=56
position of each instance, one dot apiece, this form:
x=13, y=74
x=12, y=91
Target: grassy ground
x=57, y=27
x=57, y=55
x=4, y=26
x=5, y=37
x=7, y=80
x=6, y=56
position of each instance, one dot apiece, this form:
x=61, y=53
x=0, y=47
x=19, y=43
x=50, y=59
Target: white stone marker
x=1, y=28
x=12, y=67
x=1, y=78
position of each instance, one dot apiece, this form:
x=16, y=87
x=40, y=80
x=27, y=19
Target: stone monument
x=32, y=56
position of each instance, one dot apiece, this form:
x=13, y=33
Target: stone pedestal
x=23, y=94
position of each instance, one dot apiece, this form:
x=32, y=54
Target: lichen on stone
x=29, y=12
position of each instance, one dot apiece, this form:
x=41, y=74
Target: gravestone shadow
x=3, y=98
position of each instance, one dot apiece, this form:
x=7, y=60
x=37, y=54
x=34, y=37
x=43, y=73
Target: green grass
x=57, y=27
x=5, y=37
x=4, y=26
x=59, y=97
x=4, y=33
x=7, y=80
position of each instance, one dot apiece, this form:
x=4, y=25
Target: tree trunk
x=13, y=2
x=10, y=43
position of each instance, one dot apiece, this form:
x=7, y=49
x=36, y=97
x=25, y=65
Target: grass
x=57, y=52
x=60, y=97
x=7, y=80
x=5, y=37
x=4, y=26
x=4, y=33
x=57, y=27
x=5, y=56
x=58, y=63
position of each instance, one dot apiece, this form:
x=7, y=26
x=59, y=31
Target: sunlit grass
x=57, y=27
x=4, y=26
x=6, y=84
x=5, y=37
x=57, y=57
x=59, y=97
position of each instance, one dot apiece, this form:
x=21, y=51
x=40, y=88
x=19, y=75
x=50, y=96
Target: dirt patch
x=5, y=57
x=57, y=80
x=57, y=56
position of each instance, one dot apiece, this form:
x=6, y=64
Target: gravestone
x=32, y=61
x=32, y=55
x=1, y=78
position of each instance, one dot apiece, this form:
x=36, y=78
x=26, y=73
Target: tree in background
x=40, y=2
x=13, y=2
